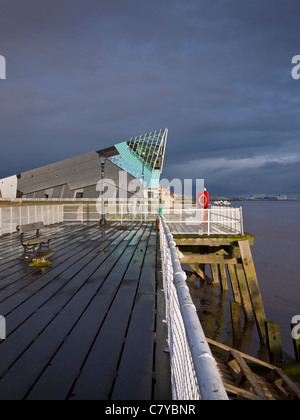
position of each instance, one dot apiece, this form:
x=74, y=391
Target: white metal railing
x=120, y=211
x=215, y=220
x=194, y=372
x=59, y=200
x=192, y=221
x=11, y=217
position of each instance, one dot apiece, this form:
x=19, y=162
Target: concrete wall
x=8, y=187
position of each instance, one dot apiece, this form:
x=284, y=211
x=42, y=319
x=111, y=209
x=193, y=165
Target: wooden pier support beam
x=234, y=284
x=245, y=296
x=254, y=290
x=223, y=277
x=236, y=317
x=200, y=270
x=215, y=273
x=274, y=342
x=220, y=251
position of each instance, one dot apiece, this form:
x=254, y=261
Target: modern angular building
x=141, y=158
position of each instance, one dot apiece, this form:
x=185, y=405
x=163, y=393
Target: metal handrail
x=209, y=380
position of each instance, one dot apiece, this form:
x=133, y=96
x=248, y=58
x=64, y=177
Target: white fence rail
x=11, y=217
x=194, y=373
x=215, y=220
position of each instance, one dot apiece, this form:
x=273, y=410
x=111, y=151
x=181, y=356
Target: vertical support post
x=102, y=159
x=208, y=222
x=254, y=290
x=11, y=220
x=215, y=273
x=236, y=318
x=246, y=301
x=274, y=342
x=242, y=221
x=234, y=284
x=223, y=276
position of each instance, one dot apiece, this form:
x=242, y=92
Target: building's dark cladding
x=140, y=158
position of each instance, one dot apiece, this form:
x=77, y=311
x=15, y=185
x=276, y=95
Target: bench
x=31, y=244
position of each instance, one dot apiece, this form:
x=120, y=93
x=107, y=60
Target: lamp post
x=102, y=161
x=143, y=183
x=143, y=172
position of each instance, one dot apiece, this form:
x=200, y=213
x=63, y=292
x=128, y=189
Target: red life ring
x=203, y=200
x=207, y=199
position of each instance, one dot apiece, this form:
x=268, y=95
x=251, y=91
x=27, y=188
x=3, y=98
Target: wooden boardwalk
x=90, y=327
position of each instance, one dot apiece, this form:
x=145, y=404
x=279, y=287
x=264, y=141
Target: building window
x=78, y=193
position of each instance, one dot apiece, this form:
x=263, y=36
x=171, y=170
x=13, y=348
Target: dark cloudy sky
x=85, y=74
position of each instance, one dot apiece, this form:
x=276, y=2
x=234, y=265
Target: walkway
x=90, y=327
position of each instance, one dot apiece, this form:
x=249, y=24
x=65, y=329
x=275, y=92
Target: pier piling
x=231, y=264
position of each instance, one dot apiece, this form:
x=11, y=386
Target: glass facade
x=143, y=157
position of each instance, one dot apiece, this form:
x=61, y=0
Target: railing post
x=11, y=224
x=242, y=221
x=208, y=222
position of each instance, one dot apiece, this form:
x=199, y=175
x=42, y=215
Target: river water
x=276, y=253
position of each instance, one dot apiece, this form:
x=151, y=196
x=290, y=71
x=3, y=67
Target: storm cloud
x=83, y=75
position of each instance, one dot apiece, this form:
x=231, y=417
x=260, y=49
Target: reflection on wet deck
x=89, y=327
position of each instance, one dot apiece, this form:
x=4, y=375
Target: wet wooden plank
x=71, y=321
x=148, y=274
x=137, y=357
x=98, y=373
x=248, y=374
x=119, y=312
x=72, y=300
x=25, y=275
x=71, y=355
x=43, y=287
